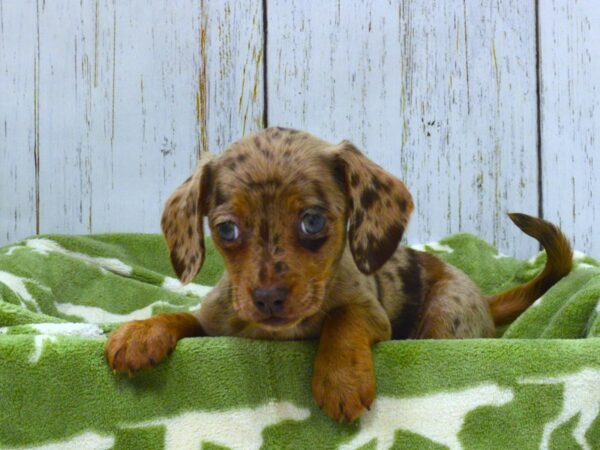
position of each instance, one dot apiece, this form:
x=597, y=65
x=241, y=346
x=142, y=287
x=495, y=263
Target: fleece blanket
x=535, y=386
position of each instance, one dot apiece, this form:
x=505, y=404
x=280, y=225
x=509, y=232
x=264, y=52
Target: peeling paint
x=257, y=75
x=114, y=71
x=96, y=41
x=201, y=94
x=416, y=94
x=329, y=73
x=36, y=119
x=496, y=73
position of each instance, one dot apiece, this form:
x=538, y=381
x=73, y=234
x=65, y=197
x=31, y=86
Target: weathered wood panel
x=130, y=95
x=234, y=60
x=106, y=105
x=18, y=118
x=443, y=94
x=151, y=116
x=75, y=105
x=570, y=118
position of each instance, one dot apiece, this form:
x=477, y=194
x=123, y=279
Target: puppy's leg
x=455, y=309
x=144, y=343
x=343, y=380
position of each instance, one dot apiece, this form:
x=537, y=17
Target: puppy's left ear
x=379, y=206
x=182, y=221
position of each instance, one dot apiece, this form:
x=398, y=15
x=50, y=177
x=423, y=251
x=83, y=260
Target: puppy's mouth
x=276, y=322
x=305, y=307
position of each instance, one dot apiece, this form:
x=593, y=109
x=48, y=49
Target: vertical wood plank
x=231, y=72
x=118, y=119
x=70, y=113
x=442, y=94
x=153, y=60
x=18, y=139
x=131, y=93
x=570, y=118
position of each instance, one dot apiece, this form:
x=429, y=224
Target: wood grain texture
x=570, y=119
x=131, y=95
x=107, y=105
x=233, y=57
x=118, y=112
x=442, y=94
x=18, y=117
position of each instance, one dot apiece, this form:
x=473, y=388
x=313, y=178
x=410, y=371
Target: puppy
x=309, y=233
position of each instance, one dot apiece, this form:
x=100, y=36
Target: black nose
x=270, y=300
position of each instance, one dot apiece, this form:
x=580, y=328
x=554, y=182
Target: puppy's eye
x=312, y=222
x=228, y=231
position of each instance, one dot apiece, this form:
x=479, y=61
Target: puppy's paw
x=139, y=344
x=344, y=385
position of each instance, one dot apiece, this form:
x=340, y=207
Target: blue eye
x=312, y=222
x=228, y=231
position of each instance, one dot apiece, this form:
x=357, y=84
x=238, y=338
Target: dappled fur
x=350, y=286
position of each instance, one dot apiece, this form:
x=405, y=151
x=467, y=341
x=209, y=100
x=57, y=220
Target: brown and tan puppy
x=309, y=232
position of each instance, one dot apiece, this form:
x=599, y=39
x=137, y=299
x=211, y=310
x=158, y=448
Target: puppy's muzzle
x=270, y=301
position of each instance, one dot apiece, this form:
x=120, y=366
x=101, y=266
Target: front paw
x=139, y=344
x=344, y=385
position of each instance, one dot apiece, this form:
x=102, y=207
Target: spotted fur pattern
x=182, y=222
x=380, y=206
x=350, y=285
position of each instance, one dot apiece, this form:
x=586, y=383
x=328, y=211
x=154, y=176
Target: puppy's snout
x=270, y=300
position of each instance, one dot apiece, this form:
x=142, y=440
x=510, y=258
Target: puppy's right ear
x=182, y=221
x=379, y=206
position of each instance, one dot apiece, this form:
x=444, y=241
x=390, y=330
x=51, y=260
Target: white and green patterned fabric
x=536, y=386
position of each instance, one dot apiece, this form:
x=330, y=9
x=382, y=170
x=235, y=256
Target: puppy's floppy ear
x=182, y=221
x=379, y=206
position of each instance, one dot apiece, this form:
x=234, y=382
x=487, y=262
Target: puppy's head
x=280, y=205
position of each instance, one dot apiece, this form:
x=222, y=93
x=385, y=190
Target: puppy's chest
x=309, y=328
x=399, y=288
x=401, y=283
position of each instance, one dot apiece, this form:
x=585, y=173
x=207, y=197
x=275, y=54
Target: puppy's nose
x=270, y=300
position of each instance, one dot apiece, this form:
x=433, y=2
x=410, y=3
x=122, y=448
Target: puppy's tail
x=507, y=305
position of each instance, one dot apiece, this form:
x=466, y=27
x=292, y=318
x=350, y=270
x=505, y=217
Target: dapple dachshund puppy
x=309, y=232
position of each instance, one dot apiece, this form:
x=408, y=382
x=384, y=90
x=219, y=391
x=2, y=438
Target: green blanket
x=538, y=386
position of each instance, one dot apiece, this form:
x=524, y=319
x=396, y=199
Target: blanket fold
x=536, y=386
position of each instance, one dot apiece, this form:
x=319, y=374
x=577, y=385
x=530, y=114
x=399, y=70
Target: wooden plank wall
x=19, y=144
x=481, y=107
x=441, y=94
x=570, y=118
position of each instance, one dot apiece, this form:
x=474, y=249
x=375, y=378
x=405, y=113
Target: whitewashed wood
x=130, y=96
x=442, y=94
x=74, y=103
x=570, y=118
x=233, y=56
x=18, y=111
x=118, y=112
x=118, y=99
